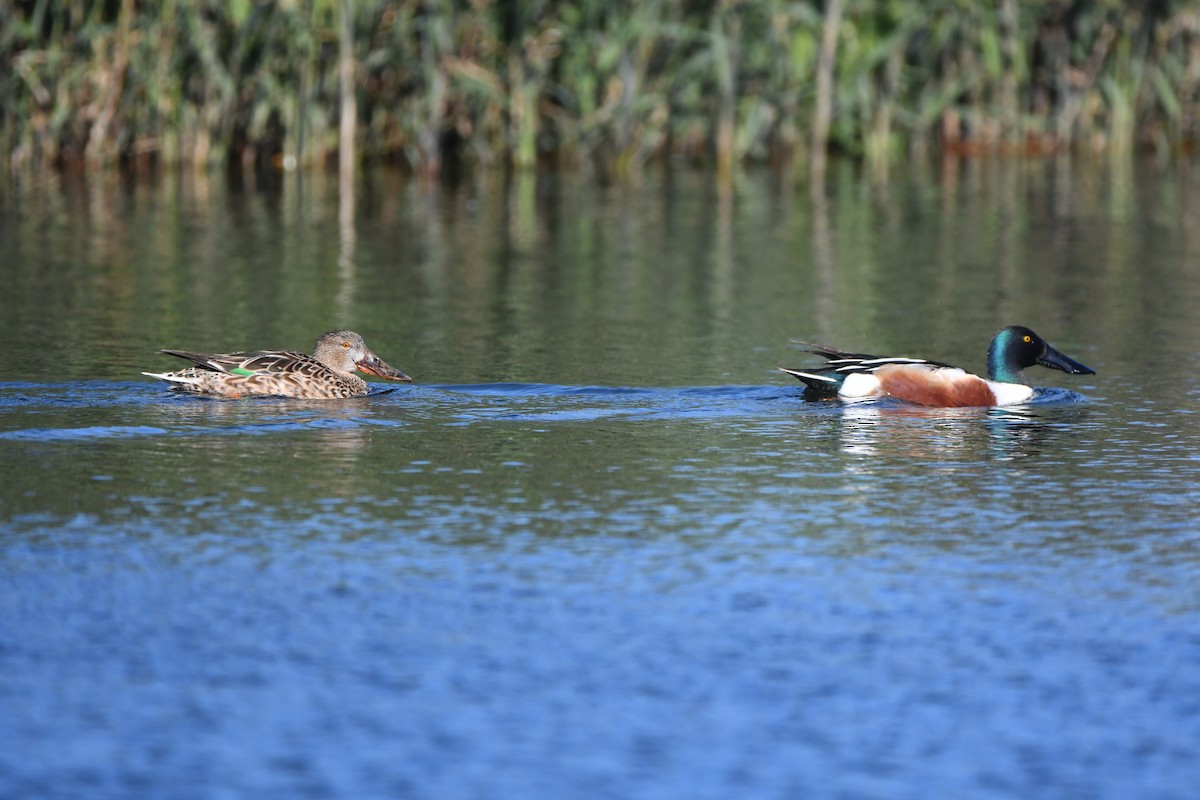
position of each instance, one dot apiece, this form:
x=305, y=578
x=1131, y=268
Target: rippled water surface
x=601, y=548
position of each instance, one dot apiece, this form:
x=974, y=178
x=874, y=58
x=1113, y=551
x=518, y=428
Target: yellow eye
x=347, y=344
x=1028, y=339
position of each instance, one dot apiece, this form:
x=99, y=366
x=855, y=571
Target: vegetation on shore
x=614, y=83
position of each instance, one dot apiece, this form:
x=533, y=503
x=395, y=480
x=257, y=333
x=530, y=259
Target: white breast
x=1010, y=394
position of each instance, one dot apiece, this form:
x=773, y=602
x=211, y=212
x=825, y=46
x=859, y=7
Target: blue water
x=601, y=548
x=581, y=591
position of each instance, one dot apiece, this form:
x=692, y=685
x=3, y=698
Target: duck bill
x=374, y=365
x=1055, y=360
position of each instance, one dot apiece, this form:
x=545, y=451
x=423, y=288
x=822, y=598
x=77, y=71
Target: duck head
x=1017, y=347
x=345, y=351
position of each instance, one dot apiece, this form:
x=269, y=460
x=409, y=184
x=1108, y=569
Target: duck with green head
x=857, y=376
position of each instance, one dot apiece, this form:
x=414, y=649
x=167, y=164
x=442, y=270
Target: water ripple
x=466, y=404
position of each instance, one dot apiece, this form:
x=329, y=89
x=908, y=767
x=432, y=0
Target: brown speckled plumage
x=325, y=375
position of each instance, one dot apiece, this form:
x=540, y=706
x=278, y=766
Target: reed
x=611, y=83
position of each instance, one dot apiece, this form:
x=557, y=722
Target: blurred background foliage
x=607, y=83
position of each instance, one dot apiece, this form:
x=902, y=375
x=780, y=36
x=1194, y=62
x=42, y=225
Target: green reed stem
x=615, y=82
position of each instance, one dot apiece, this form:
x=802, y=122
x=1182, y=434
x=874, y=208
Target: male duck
x=325, y=375
x=855, y=376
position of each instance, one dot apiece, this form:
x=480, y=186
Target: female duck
x=325, y=375
x=855, y=376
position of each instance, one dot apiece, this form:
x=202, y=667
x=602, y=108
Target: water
x=600, y=548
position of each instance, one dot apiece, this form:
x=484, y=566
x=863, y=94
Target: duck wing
x=844, y=363
x=256, y=362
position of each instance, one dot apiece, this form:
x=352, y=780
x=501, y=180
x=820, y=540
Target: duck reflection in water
x=950, y=436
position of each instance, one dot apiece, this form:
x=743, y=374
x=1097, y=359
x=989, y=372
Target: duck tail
x=817, y=384
x=174, y=377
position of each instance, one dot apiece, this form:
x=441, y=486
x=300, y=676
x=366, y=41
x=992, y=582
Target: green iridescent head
x=1016, y=347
